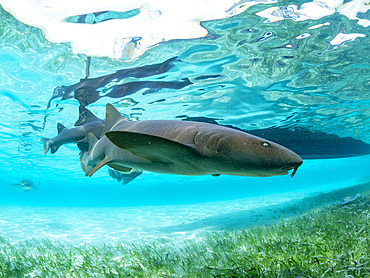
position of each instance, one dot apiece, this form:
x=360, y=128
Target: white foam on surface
x=341, y=38
x=127, y=39
x=317, y=9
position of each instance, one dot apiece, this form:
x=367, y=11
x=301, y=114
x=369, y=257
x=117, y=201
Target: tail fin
x=46, y=143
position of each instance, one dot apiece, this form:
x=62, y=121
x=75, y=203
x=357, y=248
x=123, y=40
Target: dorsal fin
x=85, y=116
x=112, y=116
x=92, y=141
x=60, y=128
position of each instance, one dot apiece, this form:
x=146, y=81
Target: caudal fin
x=46, y=143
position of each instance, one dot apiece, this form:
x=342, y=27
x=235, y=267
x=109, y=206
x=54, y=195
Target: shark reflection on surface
x=90, y=90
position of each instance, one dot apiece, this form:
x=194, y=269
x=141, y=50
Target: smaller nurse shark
x=184, y=148
x=25, y=185
x=86, y=123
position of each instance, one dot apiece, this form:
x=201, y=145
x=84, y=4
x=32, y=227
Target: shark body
x=25, y=185
x=184, y=148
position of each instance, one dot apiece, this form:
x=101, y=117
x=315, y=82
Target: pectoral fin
x=154, y=148
x=99, y=165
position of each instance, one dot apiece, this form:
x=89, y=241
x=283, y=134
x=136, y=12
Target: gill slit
x=196, y=133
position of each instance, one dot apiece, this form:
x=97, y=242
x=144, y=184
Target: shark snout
x=84, y=165
x=293, y=165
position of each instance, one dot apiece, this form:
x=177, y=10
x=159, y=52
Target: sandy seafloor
x=116, y=224
x=96, y=225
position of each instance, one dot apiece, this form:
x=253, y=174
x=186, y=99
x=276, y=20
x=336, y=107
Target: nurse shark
x=25, y=185
x=86, y=123
x=184, y=148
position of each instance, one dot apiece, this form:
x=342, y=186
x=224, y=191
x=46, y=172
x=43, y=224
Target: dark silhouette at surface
x=307, y=143
x=89, y=90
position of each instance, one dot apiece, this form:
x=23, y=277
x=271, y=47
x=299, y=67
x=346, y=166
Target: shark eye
x=265, y=144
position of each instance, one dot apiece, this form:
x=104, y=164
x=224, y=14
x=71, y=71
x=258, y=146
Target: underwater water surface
x=293, y=72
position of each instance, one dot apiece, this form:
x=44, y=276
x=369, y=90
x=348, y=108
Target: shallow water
x=303, y=74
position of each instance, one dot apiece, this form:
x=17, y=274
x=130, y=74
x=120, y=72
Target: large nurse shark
x=184, y=148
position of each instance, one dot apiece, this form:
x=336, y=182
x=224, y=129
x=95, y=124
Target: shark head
x=94, y=156
x=261, y=157
x=85, y=163
x=100, y=153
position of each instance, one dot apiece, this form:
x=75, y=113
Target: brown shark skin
x=189, y=148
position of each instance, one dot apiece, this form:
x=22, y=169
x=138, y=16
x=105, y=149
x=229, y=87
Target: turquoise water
x=308, y=85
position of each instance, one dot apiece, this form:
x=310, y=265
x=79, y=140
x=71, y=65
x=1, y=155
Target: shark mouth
x=294, y=167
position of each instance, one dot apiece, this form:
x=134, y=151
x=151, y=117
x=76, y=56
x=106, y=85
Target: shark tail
x=47, y=144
